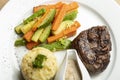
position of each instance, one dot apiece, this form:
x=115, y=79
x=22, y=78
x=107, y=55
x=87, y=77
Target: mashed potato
x=46, y=73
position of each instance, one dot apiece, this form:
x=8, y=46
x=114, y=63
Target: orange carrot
x=71, y=34
x=30, y=33
x=59, y=17
x=35, y=9
x=28, y=36
x=76, y=24
x=57, y=12
x=36, y=25
x=59, y=5
x=56, y=6
x=71, y=6
x=31, y=45
x=63, y=34
x=68, y=32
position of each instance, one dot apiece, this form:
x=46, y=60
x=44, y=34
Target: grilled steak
x=93, y=47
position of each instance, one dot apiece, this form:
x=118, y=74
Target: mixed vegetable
x=47, y=25
x=60, y=44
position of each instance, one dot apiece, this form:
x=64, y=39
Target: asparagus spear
x=35, y=15
x=29, y=19
x=71, y=15
x=61, y=44
x=20, y=42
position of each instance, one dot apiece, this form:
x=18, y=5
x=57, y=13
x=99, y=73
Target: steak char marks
x=93, y=47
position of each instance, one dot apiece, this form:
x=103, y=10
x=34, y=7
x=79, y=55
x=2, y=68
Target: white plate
x=91, y=13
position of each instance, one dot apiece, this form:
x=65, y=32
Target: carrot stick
x=31, y=45
x=35, y=9
x=71, y=6
x=76, y=24
x=30, y=33
x=59, y=17
x=28, y=36
x=56, y=6
x=68, y=32
x=59, y=5
x=71, y=33
x=36, y=25
x=56, y=37
x=57, y=12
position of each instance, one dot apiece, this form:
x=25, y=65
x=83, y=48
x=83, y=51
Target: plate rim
x=102, y=11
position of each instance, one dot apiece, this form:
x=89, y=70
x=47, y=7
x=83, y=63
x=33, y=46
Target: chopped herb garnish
x=38, y=62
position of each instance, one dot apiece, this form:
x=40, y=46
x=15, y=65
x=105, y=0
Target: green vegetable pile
x=61, y=44
x=36, y=29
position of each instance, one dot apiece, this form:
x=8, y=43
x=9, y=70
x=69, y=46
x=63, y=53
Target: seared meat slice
x=93, y=47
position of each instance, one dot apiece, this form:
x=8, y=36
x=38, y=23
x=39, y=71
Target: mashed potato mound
x=46, y=73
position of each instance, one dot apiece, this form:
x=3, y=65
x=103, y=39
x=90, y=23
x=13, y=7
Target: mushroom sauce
x=72, y=71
